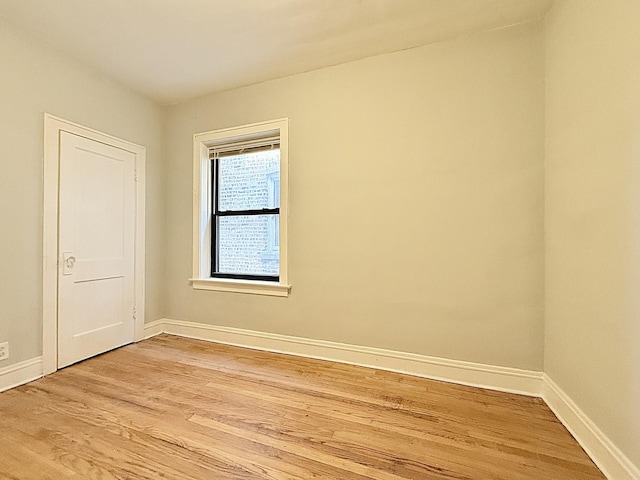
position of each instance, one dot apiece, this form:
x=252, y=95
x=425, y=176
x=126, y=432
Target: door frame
x=52, y=128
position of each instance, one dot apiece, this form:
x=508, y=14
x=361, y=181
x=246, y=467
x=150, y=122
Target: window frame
x=217, y=213
x=203, y=190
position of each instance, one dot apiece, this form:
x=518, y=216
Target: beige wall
x=416, y=201
x=592, y=341
x=35, y=79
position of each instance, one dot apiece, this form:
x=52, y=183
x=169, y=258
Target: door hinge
x=134, y=313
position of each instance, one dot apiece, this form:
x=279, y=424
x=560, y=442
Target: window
x=240, y=209
x=246, y=211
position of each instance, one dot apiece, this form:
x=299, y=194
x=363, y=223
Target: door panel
x=96, y=248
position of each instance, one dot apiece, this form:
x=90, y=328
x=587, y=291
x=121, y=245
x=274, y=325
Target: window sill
x=241, y=286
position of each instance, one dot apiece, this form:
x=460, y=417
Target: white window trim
x=202, y=214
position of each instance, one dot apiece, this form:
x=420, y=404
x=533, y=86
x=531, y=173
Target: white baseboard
x=20, y=373
x=613, y=463
x=154, y=328
x=512, y=380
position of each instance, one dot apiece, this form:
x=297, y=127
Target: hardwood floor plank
x=182, y=409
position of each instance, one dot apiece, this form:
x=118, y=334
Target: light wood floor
x=175, y=408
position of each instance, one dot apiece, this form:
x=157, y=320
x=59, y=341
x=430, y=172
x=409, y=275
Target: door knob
x=68, y=262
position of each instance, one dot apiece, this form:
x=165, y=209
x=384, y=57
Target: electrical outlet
x=4, y=351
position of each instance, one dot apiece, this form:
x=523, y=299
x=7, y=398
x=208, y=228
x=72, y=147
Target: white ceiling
x=171, y=50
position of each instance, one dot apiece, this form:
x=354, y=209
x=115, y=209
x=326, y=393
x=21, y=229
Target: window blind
x=245, y=146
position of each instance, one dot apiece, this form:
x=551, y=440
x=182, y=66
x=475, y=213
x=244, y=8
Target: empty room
x=333, y=239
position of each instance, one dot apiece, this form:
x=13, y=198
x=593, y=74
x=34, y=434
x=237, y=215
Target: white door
x=96, y=261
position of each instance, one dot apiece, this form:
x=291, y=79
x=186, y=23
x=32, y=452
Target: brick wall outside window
x=248, y=244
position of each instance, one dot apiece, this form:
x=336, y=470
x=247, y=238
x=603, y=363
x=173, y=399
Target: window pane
x=249, y=245
x=249, y=181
